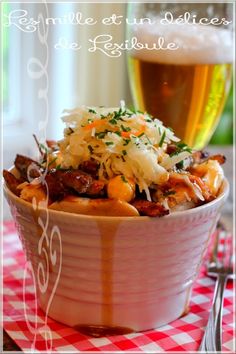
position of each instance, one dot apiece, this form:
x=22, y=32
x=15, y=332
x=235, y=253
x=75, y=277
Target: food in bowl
x=114, y=274
x=116, y=162
x=107, y=275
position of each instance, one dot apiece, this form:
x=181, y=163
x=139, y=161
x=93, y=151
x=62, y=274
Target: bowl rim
x=224, y=191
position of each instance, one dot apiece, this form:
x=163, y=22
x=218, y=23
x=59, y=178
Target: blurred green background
x=224, y=131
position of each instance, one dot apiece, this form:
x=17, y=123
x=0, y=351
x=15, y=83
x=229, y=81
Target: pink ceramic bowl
x=131, y=273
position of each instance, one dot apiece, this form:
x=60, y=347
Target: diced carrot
x=94, y=124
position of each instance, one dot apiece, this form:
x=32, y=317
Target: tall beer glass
x=186, y=87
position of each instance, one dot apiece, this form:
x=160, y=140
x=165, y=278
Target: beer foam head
x=197, y=44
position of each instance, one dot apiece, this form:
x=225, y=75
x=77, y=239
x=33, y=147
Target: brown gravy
x=108, y=328
x=107, y=233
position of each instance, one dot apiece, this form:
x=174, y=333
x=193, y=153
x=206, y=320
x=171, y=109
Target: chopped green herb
x=113, y=121
x=124, y=152
x=132, y=110
x=117, y=114
x=58, y=167
x=184, y=146
x=175, y=153
x=139, y=136
x=101, y=135
x=126, y=142
x=118, y=133
x=92, y=111
x=124, y=179
x=44, y=148
x=51, y=162
x=125, y=129
x=162, y=139
x=181, y=147
x=180, y=165
x=148, y=139
x=109, y=143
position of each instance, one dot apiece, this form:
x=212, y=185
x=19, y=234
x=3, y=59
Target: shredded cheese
x=123, y=142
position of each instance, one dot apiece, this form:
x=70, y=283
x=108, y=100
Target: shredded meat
x=12, y=182
x=23, y=163
x=60, y=183
x=54, y=186
x=90, y=167
x=77, y=180
x=148, y=208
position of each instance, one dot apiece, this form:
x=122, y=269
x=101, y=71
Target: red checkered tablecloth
x=26, y=325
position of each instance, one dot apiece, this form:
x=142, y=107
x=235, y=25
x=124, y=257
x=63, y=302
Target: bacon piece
x=148, y=208
x=77, y=180
x=23, y=163
x=171, y=148
x=12, y=182
x=61, y=183
x=82, y=183
x=54, y=187
x=219, y=158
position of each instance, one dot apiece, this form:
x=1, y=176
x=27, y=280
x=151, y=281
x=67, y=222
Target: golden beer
x=188, y=98
x=185, y=87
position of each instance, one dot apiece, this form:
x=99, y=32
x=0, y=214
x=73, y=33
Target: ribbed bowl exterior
x=134, y=272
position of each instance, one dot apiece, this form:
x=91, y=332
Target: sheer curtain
x=88, y=78
x=70, y=78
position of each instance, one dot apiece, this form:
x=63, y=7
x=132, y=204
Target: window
x=70, y=74
x=11, y=39
x=5, y=56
